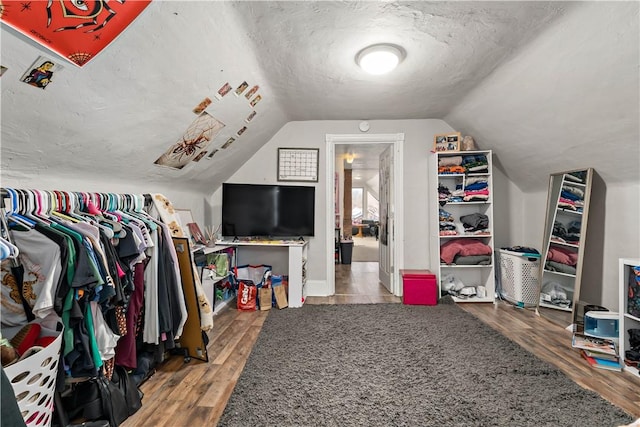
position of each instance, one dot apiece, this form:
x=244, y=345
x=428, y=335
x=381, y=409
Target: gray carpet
x=397, y=365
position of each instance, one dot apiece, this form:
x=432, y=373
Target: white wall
x=180, y=198
x=261, y=169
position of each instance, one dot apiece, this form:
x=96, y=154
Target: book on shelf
x=601, y=363
x=594, y=344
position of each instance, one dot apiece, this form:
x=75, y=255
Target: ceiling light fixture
x=349, y=158
x=379, y=58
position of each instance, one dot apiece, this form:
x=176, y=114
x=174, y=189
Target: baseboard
x=318, y=288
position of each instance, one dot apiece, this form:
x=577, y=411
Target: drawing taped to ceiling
x=75, y=30
x=195, y=139
x=241, y=130
x=40, y=72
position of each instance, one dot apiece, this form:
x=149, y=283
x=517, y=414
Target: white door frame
x=397, y=140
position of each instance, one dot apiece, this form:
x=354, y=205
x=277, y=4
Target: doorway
x=391, y=252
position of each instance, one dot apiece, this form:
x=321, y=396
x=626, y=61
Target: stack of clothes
x=475, y=163
x=475, y=223
x=571, y=198
x=564, y=235
x=476, y=189
x=450, y=165
x=465, y=252
x=562, y=260
x=447, y=225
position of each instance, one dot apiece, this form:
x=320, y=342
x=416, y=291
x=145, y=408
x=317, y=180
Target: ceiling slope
x=568, y=100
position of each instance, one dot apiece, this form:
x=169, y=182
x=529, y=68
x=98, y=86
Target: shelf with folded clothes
x=464, y=197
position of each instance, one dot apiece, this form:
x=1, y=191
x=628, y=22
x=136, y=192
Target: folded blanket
x=561, y=268
x=562, y=255
x=464, y=247
x=450, y=161
x=473, y=260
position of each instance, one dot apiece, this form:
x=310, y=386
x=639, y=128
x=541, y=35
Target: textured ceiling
x=479, y=65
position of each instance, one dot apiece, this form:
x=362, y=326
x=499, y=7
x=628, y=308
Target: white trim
x=397, y=140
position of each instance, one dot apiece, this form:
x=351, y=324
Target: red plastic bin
x=419, y=287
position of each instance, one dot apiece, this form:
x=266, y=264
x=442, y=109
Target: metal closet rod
x=4, y=193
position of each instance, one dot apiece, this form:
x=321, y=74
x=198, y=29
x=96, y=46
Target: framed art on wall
x=298, y=164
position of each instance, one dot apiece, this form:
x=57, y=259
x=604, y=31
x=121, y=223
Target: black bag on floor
x=132, y=395
x=97, y=399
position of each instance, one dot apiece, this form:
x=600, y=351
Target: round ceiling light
x=380, y=58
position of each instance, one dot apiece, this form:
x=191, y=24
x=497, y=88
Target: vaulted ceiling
x=548, y=85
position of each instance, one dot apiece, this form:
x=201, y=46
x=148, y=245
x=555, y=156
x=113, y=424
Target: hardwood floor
x=195, y=393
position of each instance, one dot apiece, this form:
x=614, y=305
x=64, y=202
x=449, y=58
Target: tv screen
x=256, y=210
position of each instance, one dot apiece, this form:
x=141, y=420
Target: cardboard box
x=419, y=287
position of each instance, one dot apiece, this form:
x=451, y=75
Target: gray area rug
x=397, y=365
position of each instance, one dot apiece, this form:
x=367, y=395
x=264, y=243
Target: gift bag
x=246, y=295
x=264, y=295
x=281, y=297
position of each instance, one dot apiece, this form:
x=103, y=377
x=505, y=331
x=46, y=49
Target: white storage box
x=519, y=278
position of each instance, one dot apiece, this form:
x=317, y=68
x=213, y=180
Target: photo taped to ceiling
x=251, y=92
x=241, y=88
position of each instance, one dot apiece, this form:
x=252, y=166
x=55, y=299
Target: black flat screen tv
x=258, y=210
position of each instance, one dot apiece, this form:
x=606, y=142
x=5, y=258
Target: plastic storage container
x=419, y=287
x=520, y=278
x=602, y=324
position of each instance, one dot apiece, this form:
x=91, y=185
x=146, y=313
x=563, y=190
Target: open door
x=386, y=238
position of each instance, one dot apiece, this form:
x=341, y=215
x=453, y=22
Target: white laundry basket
x=34, y=380
x=520, y=278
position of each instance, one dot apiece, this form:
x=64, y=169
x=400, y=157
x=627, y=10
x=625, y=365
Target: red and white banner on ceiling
x=74, y=29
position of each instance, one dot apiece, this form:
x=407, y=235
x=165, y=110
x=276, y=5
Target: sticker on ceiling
x=241, y=131
x=250, y=116
x=195, y=139
x=251, y=92
x=241, y=88
x=199, y=156
x=255, y=100
x=76, y=30
x=225, y=89
x=228, y=143
x=2, y=70
x=212, y=153
x=202, y=106
x=40, y=73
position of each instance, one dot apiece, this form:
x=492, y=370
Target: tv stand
x=297, y=263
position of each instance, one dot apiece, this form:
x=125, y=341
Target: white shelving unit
x=209, y=281
x=567, y=217
x=627, y=320
x=297, y=251
x=470, y=275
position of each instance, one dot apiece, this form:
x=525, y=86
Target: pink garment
x=484, y=192
x=463, y=247
x=562, y=255
x=126, y=354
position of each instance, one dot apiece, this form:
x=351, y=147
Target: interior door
x=386, y=237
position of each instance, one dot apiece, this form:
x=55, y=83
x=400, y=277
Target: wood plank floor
x=195, y=393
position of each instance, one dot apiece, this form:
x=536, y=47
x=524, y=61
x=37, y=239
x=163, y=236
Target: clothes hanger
x=15, y=211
